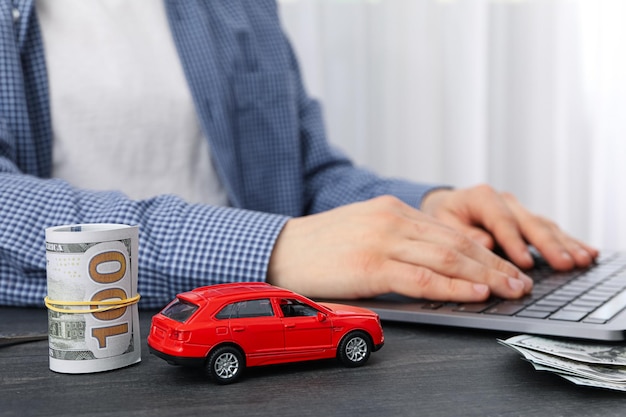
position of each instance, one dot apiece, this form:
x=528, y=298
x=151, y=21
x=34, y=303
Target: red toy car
x=228, y=327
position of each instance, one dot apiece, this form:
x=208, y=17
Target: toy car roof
x=233, y=290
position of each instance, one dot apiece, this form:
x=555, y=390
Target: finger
x=426, y=242
x=432, y=231
x=482, y=207
x=478, y=234
x=420, y=282
x=559, y=249
x=502, y=222
x=503, y=278
x=505, y=227
x=448, y=221
x=583, y=254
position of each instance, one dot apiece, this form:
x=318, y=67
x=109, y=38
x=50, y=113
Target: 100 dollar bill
x=588, y=363
x=91, y=276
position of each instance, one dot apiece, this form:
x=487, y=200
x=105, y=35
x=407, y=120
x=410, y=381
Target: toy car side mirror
x=321, y=317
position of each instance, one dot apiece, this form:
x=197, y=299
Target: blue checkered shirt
x=265, y=133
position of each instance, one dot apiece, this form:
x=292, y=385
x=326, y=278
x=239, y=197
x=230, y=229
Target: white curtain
x=604, y=70
x=527, y=95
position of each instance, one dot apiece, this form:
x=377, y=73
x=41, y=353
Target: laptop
x=585, y=303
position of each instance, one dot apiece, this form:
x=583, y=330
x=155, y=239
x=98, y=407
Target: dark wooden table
x=421, y=371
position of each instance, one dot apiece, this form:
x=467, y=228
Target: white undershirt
x=122, y=114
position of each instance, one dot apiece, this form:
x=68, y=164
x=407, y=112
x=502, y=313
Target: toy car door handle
x=290, y=326
x=238, y=328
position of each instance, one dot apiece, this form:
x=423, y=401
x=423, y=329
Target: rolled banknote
x=93, y=321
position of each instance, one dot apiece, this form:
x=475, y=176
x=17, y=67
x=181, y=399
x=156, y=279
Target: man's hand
x=493, y=218
x=383, y=245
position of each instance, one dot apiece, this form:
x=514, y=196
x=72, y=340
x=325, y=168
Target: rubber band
x=109, y=305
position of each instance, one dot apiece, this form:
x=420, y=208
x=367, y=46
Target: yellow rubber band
x=109, y=305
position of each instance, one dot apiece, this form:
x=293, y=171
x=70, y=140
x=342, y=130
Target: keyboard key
x=527, y=299
x=588, y=298
x=592, y=305
x=543, y=289
x=619, y=279
x=600, y=294
x=569, y=293
x=541, y=306
x=568, y=315
x=594, y=321
x=557, y=299
x=534, y=314
x=578, y=287
x=611, y=308
x=474, y=307
x=575, y=307
x=505, y=308
x=603, y=291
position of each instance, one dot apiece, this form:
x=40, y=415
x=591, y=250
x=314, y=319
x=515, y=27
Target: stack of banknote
x=594, y=364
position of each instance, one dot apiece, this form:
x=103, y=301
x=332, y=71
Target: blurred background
x=526, y=95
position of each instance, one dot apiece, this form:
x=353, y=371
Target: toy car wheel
x=225, y=365
x=354, y=349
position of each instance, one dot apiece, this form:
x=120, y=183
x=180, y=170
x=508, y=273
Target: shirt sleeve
x=181, y=245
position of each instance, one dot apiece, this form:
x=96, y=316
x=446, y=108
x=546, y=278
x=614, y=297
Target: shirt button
x=16, y=14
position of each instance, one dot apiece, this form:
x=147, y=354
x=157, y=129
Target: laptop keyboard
x=593, y=295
